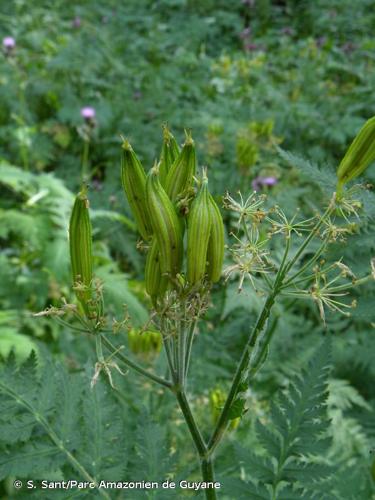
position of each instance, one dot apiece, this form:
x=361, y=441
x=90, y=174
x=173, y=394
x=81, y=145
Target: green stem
x=132, y=364
x=181, y=355
x=224, y=415
x=189, y=346
x=208, y=475
x=308, y=264
x=85, y=161
x=284, y=268
x=309, y=238
x=174, y=341
x=207, y=468
x=223, y=420
x=178, y=375
x=355, y=283
x=99, y=347
x=22, y=100
x=69, y=326
x=190, y=421
x=169, y=354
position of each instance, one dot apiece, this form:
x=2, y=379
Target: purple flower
x=9, y=43
x=261, y=182
x=251, y=47
x=88, y=113
x=76, y=23
x=348, y=47
x=245, y=33
x=287, y=30
x=320, y=41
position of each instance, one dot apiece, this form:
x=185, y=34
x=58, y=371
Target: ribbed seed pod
x=156, y=283
x=215, y=251
x=360, y=154
x=133, y=179
x=181, y=173
x=217, y=401
x=169, y=153
x=165, y=224
x=145, y=343
x=80, y=242
x=198, y=235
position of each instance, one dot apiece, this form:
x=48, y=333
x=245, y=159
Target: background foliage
x=269, y=88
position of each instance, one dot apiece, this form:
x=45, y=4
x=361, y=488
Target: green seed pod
x=181, y=174
x=133, y=179
x=217, y=401
x=80, y=242
x=215, y=251
x=165, y=224
x=198, y=235
x=144, y=343
x=156, y=283
x=358, y=157
x=169, y=153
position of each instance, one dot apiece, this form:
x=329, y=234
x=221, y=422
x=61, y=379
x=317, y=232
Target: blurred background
x=273, y=91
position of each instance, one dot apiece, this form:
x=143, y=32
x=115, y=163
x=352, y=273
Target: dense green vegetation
x=274, y=92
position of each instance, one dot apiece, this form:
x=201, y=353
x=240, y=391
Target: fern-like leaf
x=43, y=432
x=293, y=440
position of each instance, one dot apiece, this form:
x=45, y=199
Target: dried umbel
x=165, y=225
x=358, y=157
x=133, y=179
x=80, y=241
x=198, y=236
x=169, y=153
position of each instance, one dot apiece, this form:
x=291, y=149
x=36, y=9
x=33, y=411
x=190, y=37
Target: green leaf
x=153, y=460
x=323, y=177
x=298, y=424
x=51, y=421
x=104, y=446
x=10, y=340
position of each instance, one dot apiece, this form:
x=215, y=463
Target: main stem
x=208, y=475
x=178, y=375
x=207, y=467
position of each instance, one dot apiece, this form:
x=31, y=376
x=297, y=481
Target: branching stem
x=135, y=366
x=189, y=346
